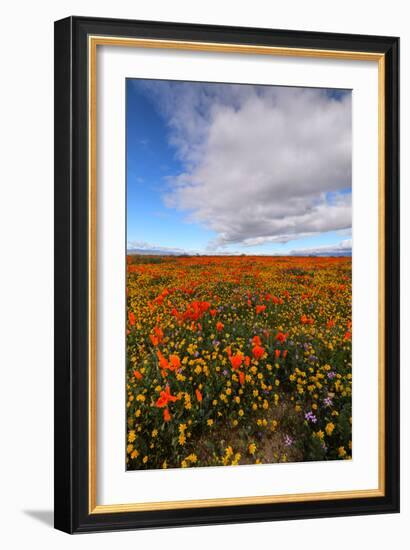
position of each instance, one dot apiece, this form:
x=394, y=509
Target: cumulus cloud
x=261, y=164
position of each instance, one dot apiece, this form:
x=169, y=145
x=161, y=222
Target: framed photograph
x=226, y=274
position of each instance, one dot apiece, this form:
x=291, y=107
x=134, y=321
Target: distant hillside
x=154, y=252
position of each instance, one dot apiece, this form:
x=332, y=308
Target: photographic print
x=208, y=258
x=239, y=289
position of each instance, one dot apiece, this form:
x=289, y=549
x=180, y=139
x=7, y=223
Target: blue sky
x=219, y=169
x=150, y=160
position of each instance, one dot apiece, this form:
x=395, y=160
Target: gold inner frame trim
x=93, y=42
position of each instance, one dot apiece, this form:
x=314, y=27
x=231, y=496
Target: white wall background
x=26, y=292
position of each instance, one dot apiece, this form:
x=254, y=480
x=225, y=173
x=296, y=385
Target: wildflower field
x=237, y=360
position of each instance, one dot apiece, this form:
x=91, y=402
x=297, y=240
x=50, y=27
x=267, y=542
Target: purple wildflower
x=288, y=441
x=310, y=417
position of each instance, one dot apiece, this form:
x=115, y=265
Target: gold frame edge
x=93, y=42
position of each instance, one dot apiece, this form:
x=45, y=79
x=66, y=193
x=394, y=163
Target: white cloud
x=142, y=247
x=343, y=248
x=262, y=164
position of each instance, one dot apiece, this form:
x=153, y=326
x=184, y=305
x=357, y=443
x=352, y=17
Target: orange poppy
x=165, y=397
x=306, y=320
x=159, y=333
x=175, y=362
x=236, y=360
x=281, y=337
x=258, y=351
x=198, y=395
x=154, y=340
x=163, y=363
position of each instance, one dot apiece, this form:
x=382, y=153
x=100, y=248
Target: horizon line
x=224, y=255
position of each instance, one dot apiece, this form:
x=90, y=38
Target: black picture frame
x=71, y=492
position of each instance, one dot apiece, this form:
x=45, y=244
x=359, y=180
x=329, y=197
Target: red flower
x=277, y=353
x=306, y=320
x=241, y=378
x=219, y=326
x=260, y=309
x=131, y=318
x=198, y=395
x=256, y=341
x=258, y=351
x=175, y=362
x=154, y=340
x=347, y=336
x=159, y=333
x=167, y=416
x=163, y=363
x=137, y=375
x=165, y=397
x=281, y=337
x=236, y=360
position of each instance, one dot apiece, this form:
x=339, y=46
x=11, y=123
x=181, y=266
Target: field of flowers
x=237, y=360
